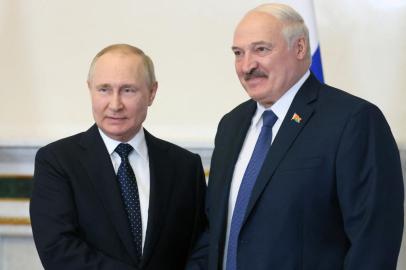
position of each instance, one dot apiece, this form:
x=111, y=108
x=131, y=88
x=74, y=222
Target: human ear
x=153, y=90
x=301, y=48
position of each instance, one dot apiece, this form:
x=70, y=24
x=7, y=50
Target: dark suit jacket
x=329, y=196
x=77, y=214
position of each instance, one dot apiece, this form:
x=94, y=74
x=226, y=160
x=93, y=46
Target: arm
x=55, y=224
x=370, y=190
x=199, y=260
x=200, y=191
x=198, y=257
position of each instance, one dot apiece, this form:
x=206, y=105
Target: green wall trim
x=15, y=187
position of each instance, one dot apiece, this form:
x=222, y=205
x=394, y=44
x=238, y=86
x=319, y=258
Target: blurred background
x=46, y=48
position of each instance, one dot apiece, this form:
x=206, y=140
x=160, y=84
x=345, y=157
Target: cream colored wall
x=46, y=47
x=363, y=46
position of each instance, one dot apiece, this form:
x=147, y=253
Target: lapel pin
x=296, y=118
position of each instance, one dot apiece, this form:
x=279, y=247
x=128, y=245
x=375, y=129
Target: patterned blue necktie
x=129, y=193
x=247, y=184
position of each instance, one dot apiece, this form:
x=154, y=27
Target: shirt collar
x=138, y=142
x=281, y=106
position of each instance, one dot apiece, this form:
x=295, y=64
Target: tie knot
x=123, y=150
x=269, y=118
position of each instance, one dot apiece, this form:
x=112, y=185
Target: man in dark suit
x=116, y=197
x=303, y=175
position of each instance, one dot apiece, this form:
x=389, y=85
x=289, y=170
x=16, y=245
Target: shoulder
x=242, y=108
x=58, y=157
x=61, y=147
x=333, y=101
x=241, y=111
x=174, y=151
x=348, y=117
x=332, y=95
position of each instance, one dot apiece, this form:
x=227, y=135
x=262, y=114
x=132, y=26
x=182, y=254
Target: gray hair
x=127, y=49
x=294, y=25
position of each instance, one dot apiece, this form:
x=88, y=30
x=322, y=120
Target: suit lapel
x=223, y=180
x=161, y=185
x=241, y=129
x=101, y=173
x=303, y=106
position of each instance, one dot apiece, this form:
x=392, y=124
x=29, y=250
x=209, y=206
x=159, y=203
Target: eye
x=102, y=89
x=262, y=49
x=128, y=90
x=237, y=52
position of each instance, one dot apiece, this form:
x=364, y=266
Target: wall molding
x=18, y=221
x=17, y=167
x=17, y=162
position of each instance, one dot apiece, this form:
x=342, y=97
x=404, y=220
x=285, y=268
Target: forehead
x=256, y=27
x=118, y=63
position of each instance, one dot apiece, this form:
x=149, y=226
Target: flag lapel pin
x=296, y=118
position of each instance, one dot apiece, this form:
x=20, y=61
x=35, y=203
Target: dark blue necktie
x=244, y=193
x=129, y=193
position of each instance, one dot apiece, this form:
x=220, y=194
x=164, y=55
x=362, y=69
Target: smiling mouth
x=254, y=78
x=115, y=118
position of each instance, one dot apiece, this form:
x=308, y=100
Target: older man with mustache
x=303, y=175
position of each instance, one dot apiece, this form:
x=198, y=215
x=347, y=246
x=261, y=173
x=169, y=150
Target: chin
x=264, y=101
x=256, y=95
x=114, y=133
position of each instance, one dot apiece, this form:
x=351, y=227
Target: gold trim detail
x=14, y=200
x=16, y=176
x=15, y=221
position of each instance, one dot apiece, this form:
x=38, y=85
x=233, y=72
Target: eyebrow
x=104, y=85
x=128, y=86
x=254, y=44
x=107, y=85
x=261, y=43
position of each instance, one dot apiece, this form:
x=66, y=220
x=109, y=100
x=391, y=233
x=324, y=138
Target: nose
x=116, y=102
x=249, y=63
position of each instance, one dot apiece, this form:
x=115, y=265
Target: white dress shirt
x=280, y=108
x=139, y=161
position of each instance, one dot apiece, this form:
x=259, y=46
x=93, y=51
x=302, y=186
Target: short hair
x=293, y=24
x=127, y=49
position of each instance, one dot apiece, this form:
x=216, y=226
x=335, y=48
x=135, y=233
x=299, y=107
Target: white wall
x=17, y=252
x=363, y=45
x=46, y=47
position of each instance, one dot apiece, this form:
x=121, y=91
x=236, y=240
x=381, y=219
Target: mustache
x=255, y=73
